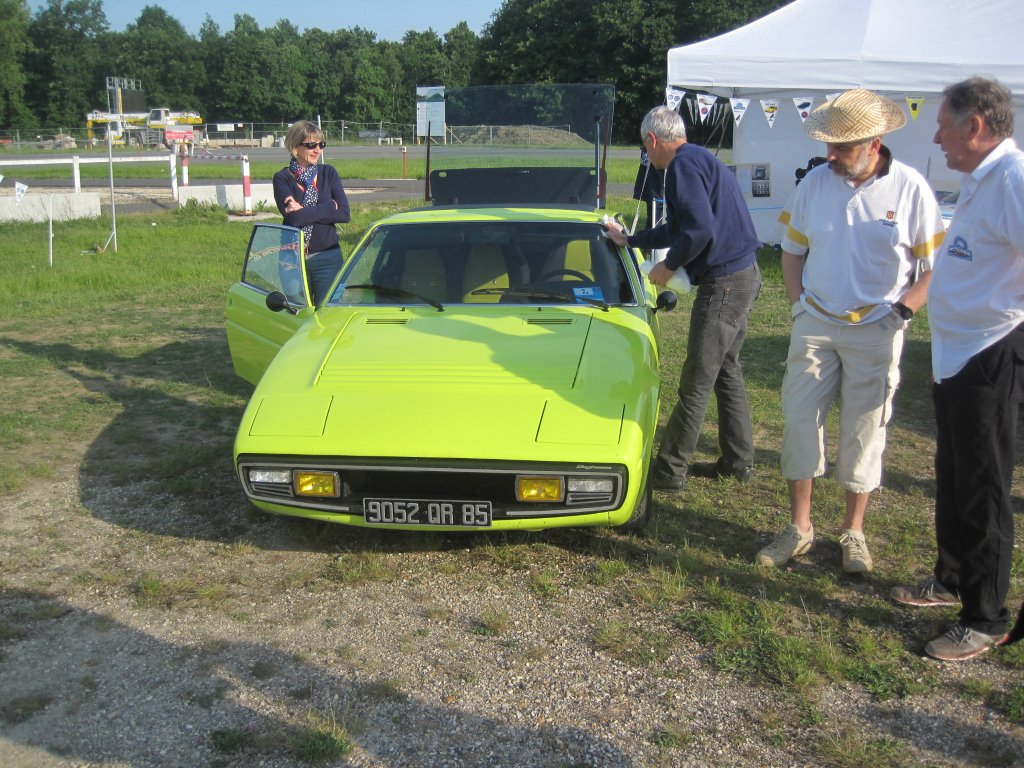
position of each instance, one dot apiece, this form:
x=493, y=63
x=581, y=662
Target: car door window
x=274, y=262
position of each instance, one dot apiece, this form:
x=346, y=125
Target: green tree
x=377, y=84
x=264, y=73
x=14, y=45
x=66, y=78
x=460, y=52
x=157, y=50
x=622, y=42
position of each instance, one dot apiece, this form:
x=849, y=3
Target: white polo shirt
x=976, y=296
x=863, y=244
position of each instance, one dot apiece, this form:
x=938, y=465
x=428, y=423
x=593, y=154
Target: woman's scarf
x=306, y=177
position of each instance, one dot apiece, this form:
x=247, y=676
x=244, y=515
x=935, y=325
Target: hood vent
x=551, y=321
x=387, y=320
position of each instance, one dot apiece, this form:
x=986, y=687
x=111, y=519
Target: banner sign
x=739, y=108
x=430, y=110
x=803, y=106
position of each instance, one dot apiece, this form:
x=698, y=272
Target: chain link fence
x=336, y=132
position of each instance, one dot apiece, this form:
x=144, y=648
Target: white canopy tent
x=903, y=49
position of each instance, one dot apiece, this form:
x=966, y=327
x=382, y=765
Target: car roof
x=484, y=213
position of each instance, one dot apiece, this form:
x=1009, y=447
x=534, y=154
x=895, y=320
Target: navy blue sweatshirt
x=707, y=226
x=330, y=210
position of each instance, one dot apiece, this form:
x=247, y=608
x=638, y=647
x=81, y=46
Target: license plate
x=476, y=514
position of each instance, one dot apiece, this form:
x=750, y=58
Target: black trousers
x=976, y=417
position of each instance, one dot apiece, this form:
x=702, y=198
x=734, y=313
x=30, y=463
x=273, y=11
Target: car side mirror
x=276, y=301
x=666, y=302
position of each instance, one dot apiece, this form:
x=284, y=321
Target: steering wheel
x=569, y=272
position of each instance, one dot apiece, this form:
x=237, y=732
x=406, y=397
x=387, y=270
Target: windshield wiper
x=541, y=294
x=397, y=293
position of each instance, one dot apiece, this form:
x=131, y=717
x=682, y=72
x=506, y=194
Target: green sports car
x=474, y=367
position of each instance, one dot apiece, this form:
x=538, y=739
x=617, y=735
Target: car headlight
x=591, y=485
x=315, y=483
x=275, y=476
x=540, y=488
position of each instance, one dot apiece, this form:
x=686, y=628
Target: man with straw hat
x=858, y=232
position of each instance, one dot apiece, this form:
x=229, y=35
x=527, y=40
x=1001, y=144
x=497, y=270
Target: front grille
x=494, y=482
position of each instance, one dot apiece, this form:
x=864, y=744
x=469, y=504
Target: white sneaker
x=856, y=558
x=787, y=545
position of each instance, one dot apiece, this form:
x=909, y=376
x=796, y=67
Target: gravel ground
x=253, y=637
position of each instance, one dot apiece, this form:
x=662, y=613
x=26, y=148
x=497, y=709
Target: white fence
x=76, y=163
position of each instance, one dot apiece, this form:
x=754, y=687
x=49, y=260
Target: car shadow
x=81, y=686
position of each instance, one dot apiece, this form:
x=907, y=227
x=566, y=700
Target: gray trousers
x=718, y=328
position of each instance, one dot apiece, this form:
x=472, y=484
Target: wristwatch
x=902, y=310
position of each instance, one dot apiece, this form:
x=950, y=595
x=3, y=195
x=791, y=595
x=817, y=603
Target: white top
x=976, y=296
x=863, y=244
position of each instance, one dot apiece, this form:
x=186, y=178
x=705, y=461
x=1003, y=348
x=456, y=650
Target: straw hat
x=854, y=116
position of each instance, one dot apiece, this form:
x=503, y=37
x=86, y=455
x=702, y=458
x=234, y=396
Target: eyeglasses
x=313, y=144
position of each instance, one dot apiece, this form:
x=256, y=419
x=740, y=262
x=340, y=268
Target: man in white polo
x=856, y=259
x=977, y=326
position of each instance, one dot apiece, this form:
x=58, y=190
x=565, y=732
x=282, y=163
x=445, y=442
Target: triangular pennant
x=739, y=108
x=830, y=96
x=673, y=96
x=771, y=108
x=915, y=103
x=19, y=192
x=803, y=106
x=705, y=103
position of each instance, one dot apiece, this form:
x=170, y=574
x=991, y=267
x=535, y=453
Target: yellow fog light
x=540, y=488
x=309, y=483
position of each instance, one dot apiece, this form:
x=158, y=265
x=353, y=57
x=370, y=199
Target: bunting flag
x=914, y=103
x=770, y=107
x=673, y=96
x=1, y=178
x=705, y=102
x=830, y=96
x=19, y=192
x=803, y=106
x=739, y=108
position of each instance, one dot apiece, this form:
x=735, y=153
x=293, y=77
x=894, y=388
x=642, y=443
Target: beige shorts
x=860, y=364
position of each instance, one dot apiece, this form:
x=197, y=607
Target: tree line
x=54, y=62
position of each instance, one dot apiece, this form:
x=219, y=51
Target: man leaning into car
x=709, y=234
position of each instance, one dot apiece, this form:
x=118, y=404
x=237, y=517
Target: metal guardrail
x=76, y=162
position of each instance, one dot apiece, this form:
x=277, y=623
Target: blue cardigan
x=324, y=215
x=707, y=226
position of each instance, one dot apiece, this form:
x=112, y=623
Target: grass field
x=118, y=362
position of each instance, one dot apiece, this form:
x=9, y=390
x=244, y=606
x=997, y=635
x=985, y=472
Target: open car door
x=274, y=264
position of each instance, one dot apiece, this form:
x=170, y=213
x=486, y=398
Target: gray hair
x=300, y=132
x=664, y=123
x=980, y=96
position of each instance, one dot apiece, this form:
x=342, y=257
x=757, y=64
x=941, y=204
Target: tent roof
x=913, y=46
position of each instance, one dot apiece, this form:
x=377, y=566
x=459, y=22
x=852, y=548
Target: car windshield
x=486, y=262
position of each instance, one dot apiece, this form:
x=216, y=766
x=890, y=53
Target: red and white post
x=246, y=186
x=184, y=164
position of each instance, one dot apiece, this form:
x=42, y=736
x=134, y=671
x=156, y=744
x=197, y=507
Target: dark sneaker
x=787, y=545
x=856, y=558
x=961, y=643
x=716, y=472
x=928, y=593
x=660, y=482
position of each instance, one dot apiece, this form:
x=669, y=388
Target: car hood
x=454, y=384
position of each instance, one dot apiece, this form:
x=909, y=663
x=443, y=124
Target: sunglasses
x=313, y=144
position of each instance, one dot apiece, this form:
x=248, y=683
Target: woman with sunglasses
x=311, y=197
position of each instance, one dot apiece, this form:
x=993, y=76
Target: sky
x=389, y=19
